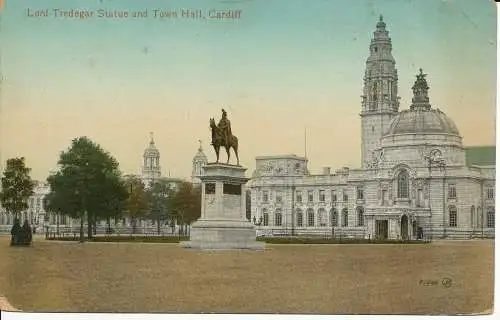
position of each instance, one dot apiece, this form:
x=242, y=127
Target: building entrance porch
x=382, y=230
x=391, y=224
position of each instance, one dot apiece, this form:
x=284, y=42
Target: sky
x=283, y=70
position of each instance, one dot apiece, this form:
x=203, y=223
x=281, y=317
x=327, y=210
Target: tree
x=17, y=187
x=137, y=203
x=87, y=184
x=185, y=204
x=62, y=199
x=159, y=193
x=112, y=207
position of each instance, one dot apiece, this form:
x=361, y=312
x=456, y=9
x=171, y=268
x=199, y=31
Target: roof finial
x=200, y=148
x=380, y=23
x=420, y=93
x=151, y=136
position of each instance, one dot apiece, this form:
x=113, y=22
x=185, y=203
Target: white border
x=140, y=316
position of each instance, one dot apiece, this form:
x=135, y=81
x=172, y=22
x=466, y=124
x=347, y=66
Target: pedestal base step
x=223, y=235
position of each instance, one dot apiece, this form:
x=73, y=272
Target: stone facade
x=35, y=214
x=414, y=179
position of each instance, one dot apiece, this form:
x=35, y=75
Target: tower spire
x=151, y=167
x=380, y=101
x=199, y=160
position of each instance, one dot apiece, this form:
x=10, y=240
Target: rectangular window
x=299, y=196
x=452, y=191
x=334, y=197
x=490, y=193
x=345, y=196
x=265, y=196
x=359, y=193
x=453, y=218
x=490, y=219
x=310, y=196
x=322, y=195
x=279, y=197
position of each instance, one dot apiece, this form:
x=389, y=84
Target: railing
x=337, y=234
x=150, y=231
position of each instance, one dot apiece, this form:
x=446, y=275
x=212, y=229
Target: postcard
x=247, y=158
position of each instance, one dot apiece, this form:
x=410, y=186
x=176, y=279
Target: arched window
x=300, y=218
x=345, y=217
x=277, y=217
x=265, y=217
x=490, y=218
x=361, y=217
x=334, y=217
x=473, y=217
x=403, y=185
x=453, y=216
x=322, y=217
x=310, y=217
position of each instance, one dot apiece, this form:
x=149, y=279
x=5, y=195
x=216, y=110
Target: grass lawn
x=328, y=279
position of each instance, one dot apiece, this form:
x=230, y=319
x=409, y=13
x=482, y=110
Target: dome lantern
x=421, y=118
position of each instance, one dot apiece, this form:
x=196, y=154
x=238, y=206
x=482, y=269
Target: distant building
x=416, y=178
x=199, y=160
x=36, y=214
x=151, y=168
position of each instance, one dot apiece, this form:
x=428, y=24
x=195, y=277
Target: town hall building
x=416, y=179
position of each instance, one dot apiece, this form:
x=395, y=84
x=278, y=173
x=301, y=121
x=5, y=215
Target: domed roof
x=422, y=121
x=151, y=150
x=200, y=155
x=421, y=118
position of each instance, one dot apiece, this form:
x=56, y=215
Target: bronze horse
x=218, y=141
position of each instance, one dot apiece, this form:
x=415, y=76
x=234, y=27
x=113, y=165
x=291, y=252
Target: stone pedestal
x=223, y=224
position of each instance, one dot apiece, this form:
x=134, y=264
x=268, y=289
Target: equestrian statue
x=223, y=137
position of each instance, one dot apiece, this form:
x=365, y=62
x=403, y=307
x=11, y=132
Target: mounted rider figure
x=225, y=127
